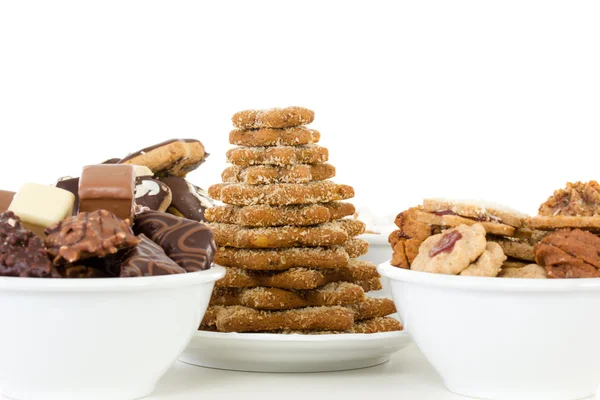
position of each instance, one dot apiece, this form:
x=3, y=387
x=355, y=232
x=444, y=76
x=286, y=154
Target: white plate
x=263, y=352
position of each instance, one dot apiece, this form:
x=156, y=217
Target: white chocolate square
x=42, y=205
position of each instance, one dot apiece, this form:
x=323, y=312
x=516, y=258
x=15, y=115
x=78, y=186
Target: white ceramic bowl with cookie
x=85, y=339
x=498, y=338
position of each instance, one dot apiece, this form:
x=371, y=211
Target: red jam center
x=446, y=244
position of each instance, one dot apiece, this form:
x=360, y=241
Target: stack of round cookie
x=290, y=253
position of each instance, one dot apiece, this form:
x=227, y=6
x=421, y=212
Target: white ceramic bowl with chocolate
x=496, y=338
x=96, y=338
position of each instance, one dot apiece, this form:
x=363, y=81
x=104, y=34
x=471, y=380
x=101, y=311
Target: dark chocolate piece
x=6, y=198
x=190, y=244
x=21, y=252
x=147, y=259
x=188, y=201
x=112, y=161
x=108, y=187
x=96, y=234
x=71, y=185
x=152, y=193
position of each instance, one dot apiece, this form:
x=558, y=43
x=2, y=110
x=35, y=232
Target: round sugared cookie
x=273, y=118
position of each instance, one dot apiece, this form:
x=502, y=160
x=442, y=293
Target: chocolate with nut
x=21, y=252
x=190, y=244
x=86, y=235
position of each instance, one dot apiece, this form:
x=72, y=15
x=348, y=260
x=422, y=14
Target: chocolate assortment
x=112, y=221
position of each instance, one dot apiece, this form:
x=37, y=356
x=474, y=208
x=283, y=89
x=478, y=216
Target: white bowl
x=500, y=338
x=379, y=248
x=379, y=251
x=89, y=339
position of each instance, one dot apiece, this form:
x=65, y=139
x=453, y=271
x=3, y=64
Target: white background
x=497, y=100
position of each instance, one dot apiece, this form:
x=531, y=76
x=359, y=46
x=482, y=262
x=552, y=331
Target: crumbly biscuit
x=530, y=271
x=265, y=298
x=569, y=254
x=356, y=247
x=372, y=308
x=271, y=216
x=489, y=263
x=356, y=271
x=273, y=118
x=282, y=194
x=512, y=263
x=282, y=155
x=578, y=199
x=514, y=248
x=399, y=258
x=282, y=259
x=268, y=174
x=450, y=220
x=328, y=234
x=562, y=221
x=411, y=227
x=397, y=236
x=244, y=319
x=452, y=251
x=296, y=136
x=174, y=157
x=480, y=211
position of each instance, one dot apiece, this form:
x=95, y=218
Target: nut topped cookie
x=576, y=199
x=576, y=206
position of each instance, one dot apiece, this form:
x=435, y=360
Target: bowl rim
x=477, y=283
x=24, y=284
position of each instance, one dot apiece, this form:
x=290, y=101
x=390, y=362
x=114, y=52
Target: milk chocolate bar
x=108, y=187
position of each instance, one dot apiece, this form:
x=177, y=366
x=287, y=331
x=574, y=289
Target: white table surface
x=406, y=376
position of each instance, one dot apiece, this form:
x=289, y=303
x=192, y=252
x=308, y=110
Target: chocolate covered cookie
x=190, y=244
x=188, y=201
x=152, y=194
x=173, y=157
x=147, y=259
